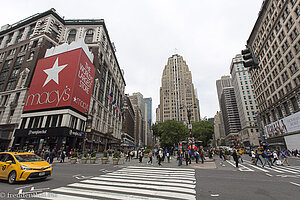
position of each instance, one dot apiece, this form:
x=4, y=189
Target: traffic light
x=249, y=58
x=190, y=132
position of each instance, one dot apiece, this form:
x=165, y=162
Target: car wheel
x=12, y=177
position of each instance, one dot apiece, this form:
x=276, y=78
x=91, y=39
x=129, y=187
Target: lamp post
x=188, y=110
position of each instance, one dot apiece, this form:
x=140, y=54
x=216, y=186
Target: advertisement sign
x=63, y=80
x=286, y=125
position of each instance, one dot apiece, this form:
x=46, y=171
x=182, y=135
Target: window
x=279, y=112
x=31, y=29
x=293, y=68
x=294, y=103
x=286, y=108
x=89, y=36
x=71, y=36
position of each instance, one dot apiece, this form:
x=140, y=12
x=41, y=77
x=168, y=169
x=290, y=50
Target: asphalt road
x=213, y=181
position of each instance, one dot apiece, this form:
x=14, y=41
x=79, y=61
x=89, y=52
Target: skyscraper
x=229, y=109
x=177, y=92
x=246, y=103
x=275, y=42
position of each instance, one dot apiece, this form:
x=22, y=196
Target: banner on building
x=62, y=80
x=284, y=126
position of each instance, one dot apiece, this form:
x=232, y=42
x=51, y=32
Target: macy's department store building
x=57, y=103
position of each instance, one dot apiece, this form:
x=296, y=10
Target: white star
x=53, y=72
x=74, y=99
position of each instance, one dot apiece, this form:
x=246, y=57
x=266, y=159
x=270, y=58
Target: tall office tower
x=275, y=41
x=157, y=112
x=225, y=81
x=128, y=122
x=138, y=125
x=148, y=101
x=229, y=110
x=217, y=128
x=142, y=105
x=245, y=98
x=177, y=92
x=49, y=125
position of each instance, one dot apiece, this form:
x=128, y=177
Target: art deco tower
x=177, y=92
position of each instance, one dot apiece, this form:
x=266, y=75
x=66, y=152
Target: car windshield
x=28, y=158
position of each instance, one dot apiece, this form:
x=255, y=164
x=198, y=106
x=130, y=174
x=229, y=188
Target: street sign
x=191, y=140
x=190, y=126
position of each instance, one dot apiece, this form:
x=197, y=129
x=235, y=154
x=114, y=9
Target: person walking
x=275, y=157
x=150, y=157
x=197, y=156
x=253, y=156
x=127, y=156
x=187, y=157
x=179, y=157
x=52, y=156
x=235, y=158
x=222, y=157
x=140, y=155
x=266, y=156
x=168, y=156
x=62, y=156
x=160, y=156
x=257, y=156
x=202, y=154
x=284, y=156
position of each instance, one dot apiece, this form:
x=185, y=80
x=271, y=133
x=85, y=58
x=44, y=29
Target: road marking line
x=137, y=191
x=110, y=195
x=268, y=174
x=264, y=170
x=143, y=182
x=143, y=186
x=161, y=170
x=155, y=176
x=214, y=195
x=137, y=177
x=283, y=170
x=295, y=184
x=176, y=169
x=287, y=167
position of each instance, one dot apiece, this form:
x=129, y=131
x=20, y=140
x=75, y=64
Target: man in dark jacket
x=235, y=158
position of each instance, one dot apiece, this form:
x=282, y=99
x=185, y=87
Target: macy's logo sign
x=48, y=97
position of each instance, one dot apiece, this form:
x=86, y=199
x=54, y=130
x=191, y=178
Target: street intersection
x=134, y=180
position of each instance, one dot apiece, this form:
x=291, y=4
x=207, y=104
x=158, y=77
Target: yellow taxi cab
x=16, y=166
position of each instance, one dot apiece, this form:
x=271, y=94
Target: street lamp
x=188, y=110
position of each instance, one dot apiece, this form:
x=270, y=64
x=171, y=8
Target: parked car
x=16, y=166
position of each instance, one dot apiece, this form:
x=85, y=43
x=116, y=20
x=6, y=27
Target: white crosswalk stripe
x=283, y=170
x=132, y=183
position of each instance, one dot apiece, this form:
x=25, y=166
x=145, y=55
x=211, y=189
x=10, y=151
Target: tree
x=170, y=132
x=203, y=131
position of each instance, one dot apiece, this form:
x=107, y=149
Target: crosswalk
x=274, y=170
x=132, y=182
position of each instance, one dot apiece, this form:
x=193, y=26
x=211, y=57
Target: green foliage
x=93, y=154
x=116, y=154
x=74, y=154
x=147, y=151
x=223, y=143
x=104, y=153
x=203, y=131
x=85, y=155
x=170, y=132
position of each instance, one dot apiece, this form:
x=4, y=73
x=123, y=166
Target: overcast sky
x=207, y=33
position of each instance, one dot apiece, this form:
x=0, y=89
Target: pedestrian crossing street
x=132, y=182
x=284, y=171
